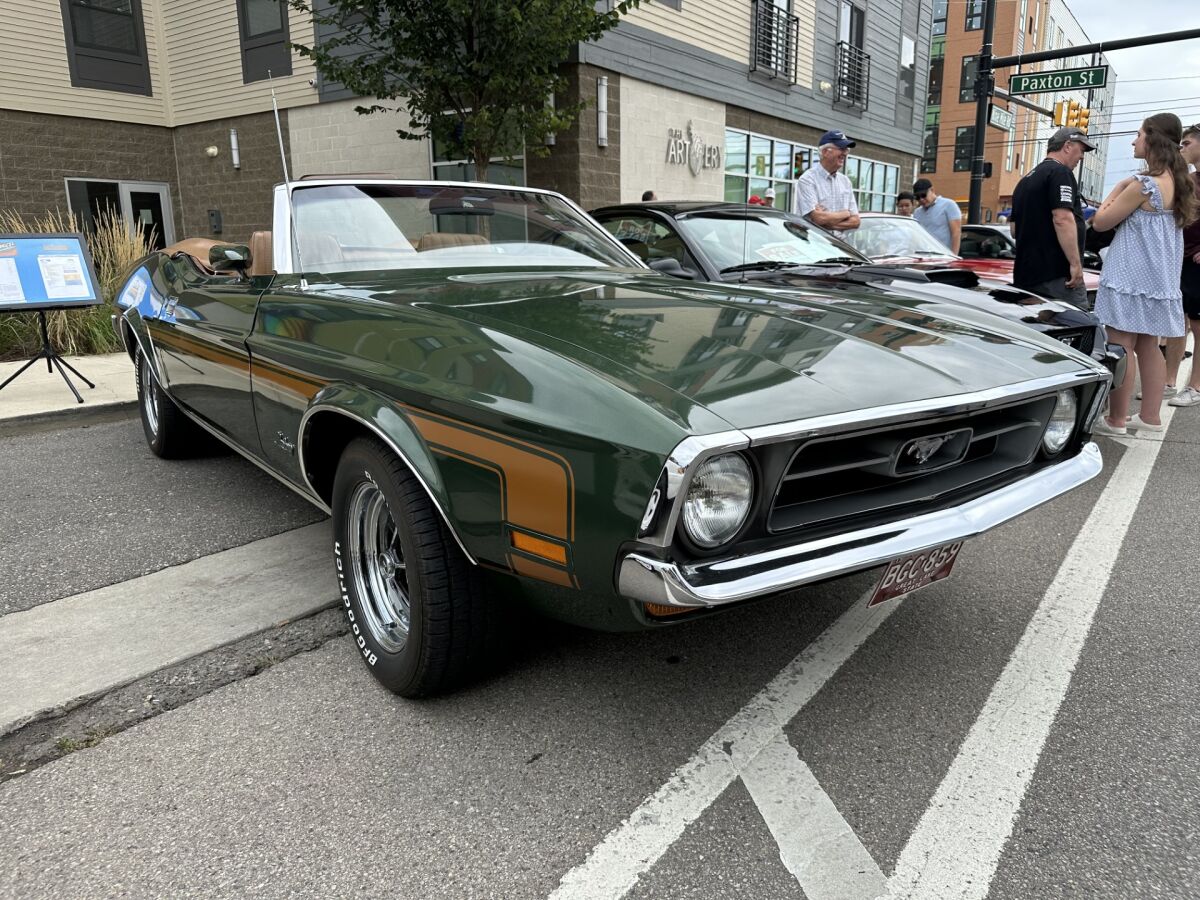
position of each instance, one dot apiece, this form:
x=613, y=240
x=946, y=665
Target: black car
x=733, y=242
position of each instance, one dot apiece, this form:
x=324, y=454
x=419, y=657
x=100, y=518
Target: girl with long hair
x=1139, y=298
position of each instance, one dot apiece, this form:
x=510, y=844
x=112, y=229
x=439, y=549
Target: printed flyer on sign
x=63, y=277
x=10, y=282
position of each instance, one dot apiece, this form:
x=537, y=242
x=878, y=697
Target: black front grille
x=1082, y=339
x=911, y=465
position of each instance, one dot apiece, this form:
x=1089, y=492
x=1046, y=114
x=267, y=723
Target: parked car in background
x=997, y=242
x=730, y=242
x=492, y=397
x=888, y=238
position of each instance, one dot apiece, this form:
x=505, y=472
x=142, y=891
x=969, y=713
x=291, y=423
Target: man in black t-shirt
x=1047, y=221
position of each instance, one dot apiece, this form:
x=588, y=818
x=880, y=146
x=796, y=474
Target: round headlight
x=1062, y=423
x=718, y=500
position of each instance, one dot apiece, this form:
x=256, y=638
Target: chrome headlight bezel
x=724, y=478
x=1061, y=426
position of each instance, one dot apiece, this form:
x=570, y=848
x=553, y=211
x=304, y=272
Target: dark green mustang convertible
x=487, y=391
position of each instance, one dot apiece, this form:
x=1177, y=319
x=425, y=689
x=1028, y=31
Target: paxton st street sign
x=1058, y=80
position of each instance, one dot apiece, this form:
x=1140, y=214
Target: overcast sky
x=1157, y=78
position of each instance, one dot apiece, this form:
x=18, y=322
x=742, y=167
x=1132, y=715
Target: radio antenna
x=287, y=184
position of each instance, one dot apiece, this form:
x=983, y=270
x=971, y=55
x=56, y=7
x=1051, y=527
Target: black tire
x=418, y=610
x=169, y=433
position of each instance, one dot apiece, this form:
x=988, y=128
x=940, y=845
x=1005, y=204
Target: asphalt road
x=308, y=780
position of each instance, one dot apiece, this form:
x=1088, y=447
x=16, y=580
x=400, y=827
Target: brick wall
x=588, y=174
x=331, y=138
x=242, y=195
x=38, y=151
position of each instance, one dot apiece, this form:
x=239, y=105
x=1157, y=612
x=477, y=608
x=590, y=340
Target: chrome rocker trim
x=717, y=582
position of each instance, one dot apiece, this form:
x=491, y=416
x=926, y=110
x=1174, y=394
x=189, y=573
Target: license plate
x=911, y=573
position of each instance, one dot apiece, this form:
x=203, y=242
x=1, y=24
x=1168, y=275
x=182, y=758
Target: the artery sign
x=1058, y=80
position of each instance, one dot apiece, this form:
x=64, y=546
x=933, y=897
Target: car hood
x=994, y=269
x=748, y=356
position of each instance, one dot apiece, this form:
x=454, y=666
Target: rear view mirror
x=229, y=258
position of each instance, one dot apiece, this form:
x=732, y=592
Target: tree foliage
x=473, y=74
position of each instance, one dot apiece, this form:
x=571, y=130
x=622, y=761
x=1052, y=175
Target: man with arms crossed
x=1189, y=283
x=940, y=216
x=1047, y=221
x=823, y=194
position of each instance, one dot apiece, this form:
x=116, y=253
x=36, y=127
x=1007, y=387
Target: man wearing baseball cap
x=1047, y=221
x=769, y=197
x=823, y=193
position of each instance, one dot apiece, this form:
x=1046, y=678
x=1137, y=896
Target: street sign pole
x=985, y=82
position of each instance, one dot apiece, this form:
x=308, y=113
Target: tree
x=476, y=75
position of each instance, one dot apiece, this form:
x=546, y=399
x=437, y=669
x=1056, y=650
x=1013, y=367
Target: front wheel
x=169, y=433
x=417, y=608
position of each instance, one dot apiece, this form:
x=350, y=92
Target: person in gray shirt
x=940, y=216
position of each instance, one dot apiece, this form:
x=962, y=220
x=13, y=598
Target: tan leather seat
x=195, y=248
x=436, y=240
x=262, y=254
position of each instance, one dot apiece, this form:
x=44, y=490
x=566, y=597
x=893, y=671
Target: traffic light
x=1074, y=108
x=1083, y=118
x=1060, y=113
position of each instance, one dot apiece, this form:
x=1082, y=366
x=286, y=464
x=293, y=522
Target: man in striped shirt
x=824, y=195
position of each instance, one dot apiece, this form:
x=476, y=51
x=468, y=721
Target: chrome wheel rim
x=378, y=568
x=149, y=398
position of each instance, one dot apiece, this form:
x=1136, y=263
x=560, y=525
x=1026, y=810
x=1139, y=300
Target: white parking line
x=634, y=846
x=816, y=843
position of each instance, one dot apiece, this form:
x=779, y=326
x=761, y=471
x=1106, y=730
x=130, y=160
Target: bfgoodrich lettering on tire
x=417, y=609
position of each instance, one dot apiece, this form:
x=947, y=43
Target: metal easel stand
x=52, y=359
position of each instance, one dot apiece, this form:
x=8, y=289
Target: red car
x=900, y=239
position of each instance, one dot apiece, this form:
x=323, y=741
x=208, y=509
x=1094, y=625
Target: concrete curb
x=97, y=412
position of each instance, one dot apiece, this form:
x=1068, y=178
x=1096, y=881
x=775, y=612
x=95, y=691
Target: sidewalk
x=37, y=394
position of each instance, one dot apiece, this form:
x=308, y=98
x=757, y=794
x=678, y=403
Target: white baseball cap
x=770, y=192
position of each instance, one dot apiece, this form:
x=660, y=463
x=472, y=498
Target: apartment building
x=162, y=108
x=1022, y=26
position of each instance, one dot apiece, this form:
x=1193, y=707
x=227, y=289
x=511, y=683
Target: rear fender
x=324, y=434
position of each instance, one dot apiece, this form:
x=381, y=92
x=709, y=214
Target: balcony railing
x=773, y=49
x=853, y=75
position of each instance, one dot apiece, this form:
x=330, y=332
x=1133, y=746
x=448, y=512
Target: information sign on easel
x=41, y=272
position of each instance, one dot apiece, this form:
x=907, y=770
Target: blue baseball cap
x=837, y=138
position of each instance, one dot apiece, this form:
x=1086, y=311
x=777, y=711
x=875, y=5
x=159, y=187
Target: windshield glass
x=883, y=236
x=734, y=239
x=347, y=228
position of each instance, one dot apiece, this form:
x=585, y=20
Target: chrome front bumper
x=716, y=582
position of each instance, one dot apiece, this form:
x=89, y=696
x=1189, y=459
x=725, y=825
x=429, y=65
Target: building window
x=773, y=50
x=106, y=45
x=974, y=20
x=263, y=27
x=908, y=67
x=966, y=81
x=852, y=61
x=502, y=168
x=875, y=183
x=964, y=146
x=937, y=61
x=754, y=162
x=929, y=152
x=939, y=16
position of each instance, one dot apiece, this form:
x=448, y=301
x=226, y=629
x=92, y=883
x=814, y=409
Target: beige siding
x=806, y=39
x=718, y=26
x=206, y=63
x=35, y=77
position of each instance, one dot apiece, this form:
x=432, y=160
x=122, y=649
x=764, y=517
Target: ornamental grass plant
x=74, y=332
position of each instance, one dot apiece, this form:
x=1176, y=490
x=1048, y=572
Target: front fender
x=323, y=435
